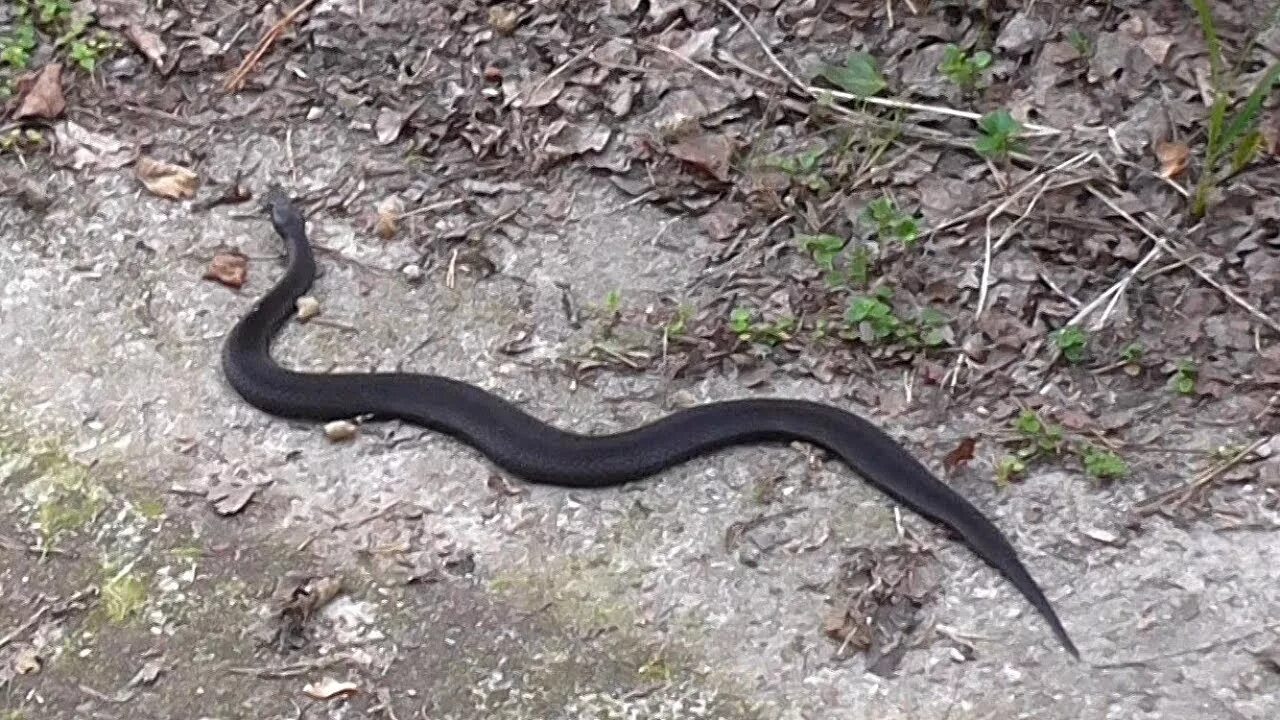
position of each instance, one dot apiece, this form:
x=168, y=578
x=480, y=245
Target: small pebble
x=412, y=272
x=308, y=307
x=340, y=430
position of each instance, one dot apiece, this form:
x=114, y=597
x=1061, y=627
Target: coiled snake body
x=540, y=453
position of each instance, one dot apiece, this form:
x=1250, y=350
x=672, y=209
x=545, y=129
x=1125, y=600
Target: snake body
x=541, y=453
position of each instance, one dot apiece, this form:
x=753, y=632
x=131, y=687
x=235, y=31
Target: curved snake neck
x=540, y=453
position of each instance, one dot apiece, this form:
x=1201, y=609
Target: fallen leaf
x=329, y=688
x=961, y=455
x=166, y=179
x=859, y=76
x=698, y=46
x=534, y=92
x=1157, y=47
x=81, y=148
x=568, y=140
x=44, y=98
x=230, y=499
x=148, y=674
x=388, y=125
x=1173, y=158
x=709, y=152
x=389, y=211
x=149, y=43
x=230, y=269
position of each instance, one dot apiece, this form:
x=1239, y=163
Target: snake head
x=285, y=215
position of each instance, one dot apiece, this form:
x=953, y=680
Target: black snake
x=540, y=453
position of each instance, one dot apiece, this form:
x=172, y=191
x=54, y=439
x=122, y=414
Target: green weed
x=1104, y=464
x=860, y=75
x=963, y=69
x=52, y=20
x=1009, y=469
x=1072, y=343
x=1080, y=42
x=999, y=135
x=743, y=323
x=890, y=223
x=1233, y=138
x=805, y=168
x=123, y=595
x=1131, y=356
x=873, y=320
x=1039, y=437
x=1184, y=377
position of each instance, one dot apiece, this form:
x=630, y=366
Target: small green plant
x=1131, y=356
x=678, y=324
x=1104, y=464
x=16, y=48
x=123, y=595
x=50, y=11
x=890, y=223
x=1184, y=377
x=742, y=321
x=613, y=302
x=53, y=19
x=875, y=314
x=840, y=265
x=1072, y=343
x=1231, y=137
x=999, y=136
x=1039, y=437
x=962, y=68
x=1080, y=42
x=20, y=139
x=804, y=167
x=1009, y=469
x=859, y=76
x=874, y=321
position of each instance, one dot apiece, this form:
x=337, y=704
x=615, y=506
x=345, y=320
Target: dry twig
x=236, y=81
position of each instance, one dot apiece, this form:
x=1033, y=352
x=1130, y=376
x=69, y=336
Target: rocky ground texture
x=977, y=223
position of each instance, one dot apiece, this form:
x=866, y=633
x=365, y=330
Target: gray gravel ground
x=109, y=340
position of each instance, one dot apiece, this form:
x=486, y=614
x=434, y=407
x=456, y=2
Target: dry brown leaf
x=1156, y=47
x=330, y=688
x=1173, y=158
x=389, y=212
x=567, y=140
x=229, y=268
x=43, y=99
x=960, y=455
x=708, y=152
x=166, y=179
x=80, y=148
x=148, y=43
x=534, y=92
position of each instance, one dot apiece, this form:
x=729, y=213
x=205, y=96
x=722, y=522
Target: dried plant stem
x=1168, y=247
x=236, y=81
